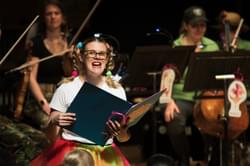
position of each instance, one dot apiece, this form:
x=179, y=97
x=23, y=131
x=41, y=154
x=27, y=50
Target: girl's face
x=96, y=58
x=53, y=17
x=196, y=32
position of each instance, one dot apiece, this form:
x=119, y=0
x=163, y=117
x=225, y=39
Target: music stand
x=148, y=62
x=204, y=66
x=150, y=59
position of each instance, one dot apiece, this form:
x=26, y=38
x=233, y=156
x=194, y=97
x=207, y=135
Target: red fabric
x=54, y=155
x=125, y=161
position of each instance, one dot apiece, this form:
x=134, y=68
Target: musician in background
x=232, y=19
x=179, y=110
x=52, y=36
x=20, y=142
x=235, y=29
x=231, y=39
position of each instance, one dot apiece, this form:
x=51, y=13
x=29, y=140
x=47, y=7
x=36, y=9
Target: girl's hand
x=114, y=128
x=63, y=119
x=118, y=130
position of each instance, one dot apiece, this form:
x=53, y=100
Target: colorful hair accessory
x=79, y=45
x=108, y=73
x=74, y=73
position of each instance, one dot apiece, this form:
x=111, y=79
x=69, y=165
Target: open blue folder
x=94, y=107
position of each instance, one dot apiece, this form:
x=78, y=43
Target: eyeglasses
x=93, y=54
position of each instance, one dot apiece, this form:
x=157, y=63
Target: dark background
x=128, y=20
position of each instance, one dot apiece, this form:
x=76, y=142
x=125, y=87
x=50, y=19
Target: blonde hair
x=109, y=80
x=78, y=157
x=109, y=67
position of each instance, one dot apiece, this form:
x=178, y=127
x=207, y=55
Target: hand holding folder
x=137, y=111
x=94, y=107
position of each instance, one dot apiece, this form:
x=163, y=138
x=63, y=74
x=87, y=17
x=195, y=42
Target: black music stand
x=150, y=59
x=148, y=62
x=204, y=66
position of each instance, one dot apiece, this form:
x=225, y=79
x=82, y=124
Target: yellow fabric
x=105, y=155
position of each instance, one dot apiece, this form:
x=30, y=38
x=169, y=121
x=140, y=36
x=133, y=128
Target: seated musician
x=180, y=109
x=235, y=29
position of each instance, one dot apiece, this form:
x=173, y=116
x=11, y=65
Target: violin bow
x=237, y=32
x=84, y=22
x=27, y=64
x=18, y=40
